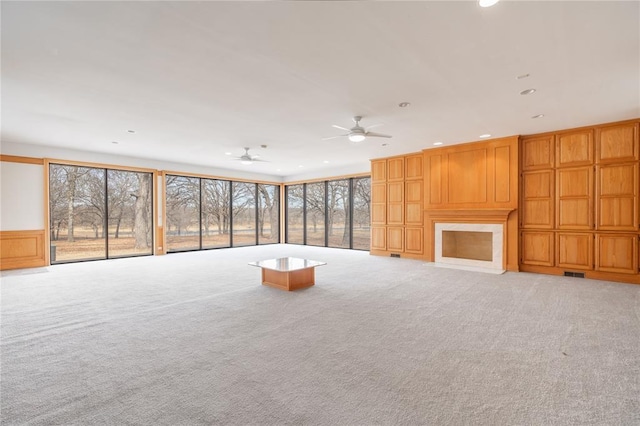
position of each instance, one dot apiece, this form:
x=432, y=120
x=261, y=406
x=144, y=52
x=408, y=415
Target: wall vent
x=395, y=254
x=574, y=274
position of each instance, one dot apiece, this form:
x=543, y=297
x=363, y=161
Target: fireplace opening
x=471, y=245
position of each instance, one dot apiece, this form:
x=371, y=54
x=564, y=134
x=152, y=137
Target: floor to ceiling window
x=361, y=223
x=99, y=213
x=315, y=214
x=216, y=213
x=331, y=213
x=268, y=214
x=295, y=214
x=205, y=213
x=338, y=213
x=183, y=213
x=243, y=217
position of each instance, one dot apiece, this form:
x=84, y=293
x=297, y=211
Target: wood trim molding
x=22, y=249
x=99, y=165
x=472, y=215
x=205, y=176
x=25, y=160
x=355, y=175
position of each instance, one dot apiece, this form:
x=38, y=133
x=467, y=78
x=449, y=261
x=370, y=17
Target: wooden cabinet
x=413, y=202
x=395, y=169
x=395, y=239
x=574, y=149
x=617, y=253
x=378, y=203
x=397, y=204
x=574, y=250
x=538, y=153
x=575, y=198
x=378, y=238
x=537, y=199
x=618, y=197
x=583, y=187
x=617, y=143
x=414, y=240
x=413, y=167
x=537, y=248
x=378, y=171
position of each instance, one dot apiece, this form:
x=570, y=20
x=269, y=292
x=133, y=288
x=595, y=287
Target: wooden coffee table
x=288, y=273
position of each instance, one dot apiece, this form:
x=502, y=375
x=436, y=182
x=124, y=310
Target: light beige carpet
x=193, y=338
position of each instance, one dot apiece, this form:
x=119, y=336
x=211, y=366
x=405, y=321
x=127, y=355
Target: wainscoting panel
x=22, y=249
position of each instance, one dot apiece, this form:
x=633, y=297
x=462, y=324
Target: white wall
x=22, y=201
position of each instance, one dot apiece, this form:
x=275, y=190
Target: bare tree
x=142, y=213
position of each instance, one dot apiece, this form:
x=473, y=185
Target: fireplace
x=470, y=246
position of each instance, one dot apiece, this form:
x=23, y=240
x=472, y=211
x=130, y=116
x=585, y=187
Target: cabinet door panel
x=395, y=169
x=538, y=153
x=617, y=197
x=413, y=214
x=413, y=202
x=574, y=149
x=414, y=240
x=574, y=250
x=395, y=205
x=395, y=237
x=378, y=214
x=413, y=166
x=537, y=199
x=537, y=248
x=378, y=170
x=617, y=253
x=617, y=143
x=575, y=195
x=378, y=238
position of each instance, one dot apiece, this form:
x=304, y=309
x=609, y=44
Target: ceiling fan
x=358, y=133
x=247, y=158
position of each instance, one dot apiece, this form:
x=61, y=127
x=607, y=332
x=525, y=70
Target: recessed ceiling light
x=131, y=131
x=486, y=135
x=301, y=166
x=404, y=104
x=487, y=3
x=538, y=116
x=520, y=77
x=278, y=170
x=437, y=143
x=528, y=91
x=227, y=153
x=326, y=161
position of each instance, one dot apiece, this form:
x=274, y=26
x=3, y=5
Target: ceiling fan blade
x=372, y=126
x=376, y=135
x=334, y=137
x=340, y=127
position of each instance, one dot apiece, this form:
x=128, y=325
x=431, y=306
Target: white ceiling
x=198, y=79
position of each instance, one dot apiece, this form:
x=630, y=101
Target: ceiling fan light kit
x=247, y=158
x=358, y=133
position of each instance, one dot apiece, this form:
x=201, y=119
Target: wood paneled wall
x=396, y=206
x=479, y=176
x=580, y=202
x=22, y=249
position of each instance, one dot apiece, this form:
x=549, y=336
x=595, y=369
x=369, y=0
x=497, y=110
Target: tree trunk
x=72, y=177
x=141, y=225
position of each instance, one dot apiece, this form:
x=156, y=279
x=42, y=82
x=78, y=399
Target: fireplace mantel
x=470, y=215
x=504, y=216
